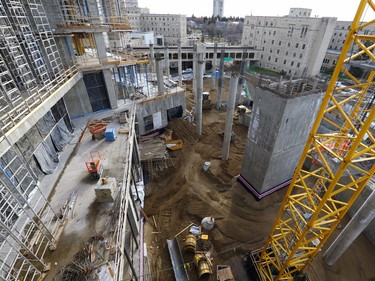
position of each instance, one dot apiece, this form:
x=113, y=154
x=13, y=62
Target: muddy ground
x=187, y=194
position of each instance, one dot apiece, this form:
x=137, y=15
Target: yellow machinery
x=341, y=162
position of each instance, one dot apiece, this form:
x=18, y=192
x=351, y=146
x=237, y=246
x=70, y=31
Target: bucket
x=190, y=243
x=208, y=223
x=206, y=166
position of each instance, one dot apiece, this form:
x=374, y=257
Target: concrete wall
x=278, y=130
x=158, y=108
x=77, y=100
x=370, y=229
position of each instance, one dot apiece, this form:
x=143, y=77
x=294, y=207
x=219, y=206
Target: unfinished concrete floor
x=187, y=194
x=88, y=218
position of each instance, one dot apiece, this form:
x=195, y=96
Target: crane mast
x=334, y=168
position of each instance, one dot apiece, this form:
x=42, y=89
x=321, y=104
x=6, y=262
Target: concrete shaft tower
x=218, y=9
x=279, y=127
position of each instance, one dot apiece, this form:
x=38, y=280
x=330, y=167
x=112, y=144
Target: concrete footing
x=259, y=195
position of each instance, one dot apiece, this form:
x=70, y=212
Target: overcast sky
x=342, y=9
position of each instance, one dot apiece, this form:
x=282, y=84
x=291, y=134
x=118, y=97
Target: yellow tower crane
x=341, y=163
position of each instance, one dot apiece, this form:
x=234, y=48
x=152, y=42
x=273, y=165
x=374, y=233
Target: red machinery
x=97, y=129
x=94, y=165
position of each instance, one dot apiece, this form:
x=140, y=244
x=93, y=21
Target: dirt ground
x=187, y=194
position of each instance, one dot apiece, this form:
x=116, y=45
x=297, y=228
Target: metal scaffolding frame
x=20, y=22
x=13, y=54
x=44, y=36
x=28, y=224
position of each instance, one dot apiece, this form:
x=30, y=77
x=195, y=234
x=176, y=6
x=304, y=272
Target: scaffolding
x=45, y=39
x=13, y=55
x=20, y=22
x=28, y=224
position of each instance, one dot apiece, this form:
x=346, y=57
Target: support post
x=220, y=86
x=195, y=73
x=241, y=79
x=352, y=230
x=179, y=62
x=152, y=58
x=214, y=64
x=159, y=74
x=166, y=62
x=198, y=105
x=229, y=118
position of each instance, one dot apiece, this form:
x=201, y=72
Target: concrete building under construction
x=61, y=60
x=91, y=129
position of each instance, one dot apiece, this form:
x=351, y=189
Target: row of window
x=160, y=19
x=285, y=61
x=162, y=29
x=289, y=34
x=303, y=46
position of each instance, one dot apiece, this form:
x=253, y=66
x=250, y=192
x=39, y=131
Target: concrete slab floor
x=89, y=218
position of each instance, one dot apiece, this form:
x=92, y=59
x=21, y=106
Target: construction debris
x=84, y=264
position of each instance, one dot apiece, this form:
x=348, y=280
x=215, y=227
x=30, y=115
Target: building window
x=275, y=59
x=286, y=53
x=284, y=61
x=300, y=56
x=278, y=51
x=303, y=46
x=269, y=58
x=261, y=56
x=279, y=43
x=294, y=54
x=149, y=123
x=288, y=44
x=274, y=33
x=292, y=63
x=272, y=42
x=297, y=45
x=298, y=64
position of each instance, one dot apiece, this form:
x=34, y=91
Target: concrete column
x=214, y=58
x=100, y=47
x=179, y=62
x=195, y=73
x=229, y=118
x=166, y=62
x=241, y=79
x=353, y=229
x=220, y=86
x=107, y=74
x=159, y=73
x=152, y=58
x=198, y=105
